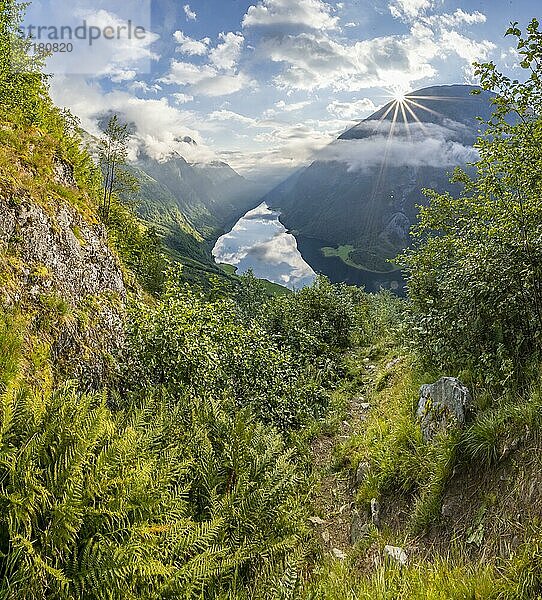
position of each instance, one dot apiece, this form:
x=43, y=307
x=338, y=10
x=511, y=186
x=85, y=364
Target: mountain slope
x=190, y=206
x=211, y=197
x=351, y=209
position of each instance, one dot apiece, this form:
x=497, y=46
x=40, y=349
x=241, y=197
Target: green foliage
x=11, y=340
x=113, y=154
x=317, y=320
x=175, y=499
x=138, y=246
x=475, y=274
x=438, y=580
x=23, y=95
x=498, y=430
x=187, y=343
x=383, y=320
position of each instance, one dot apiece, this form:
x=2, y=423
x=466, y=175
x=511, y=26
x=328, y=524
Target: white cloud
x=312, y=14
x=189, y=46
x=206, y=79
x=409, y=9
x=160, y=127
x=426, y=145
x=119, y=75
x=226, y=54
x=315, y=61
x=468, y=49
x=228, y=115
x=459, y=17
x=283, y=107
x=143, y=86
x=120, y=59
x=223, y=85
x=186, y=73
x=182, y=98
x=351, y=110
x=190, y=14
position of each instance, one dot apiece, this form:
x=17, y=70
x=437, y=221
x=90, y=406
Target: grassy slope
x=466, y=510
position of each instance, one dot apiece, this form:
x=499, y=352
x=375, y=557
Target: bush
x=474, y=276
x=317, y=320
x=190, y=345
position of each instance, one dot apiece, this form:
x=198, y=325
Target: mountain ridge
x=362, y=191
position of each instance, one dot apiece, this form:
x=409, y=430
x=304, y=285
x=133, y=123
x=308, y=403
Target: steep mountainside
x=191, y=205
x=210, y=196
x=57, y=271
x=351, y=209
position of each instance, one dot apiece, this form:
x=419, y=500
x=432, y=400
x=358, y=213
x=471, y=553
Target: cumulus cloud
x=312, y=14
x=189, y=46
x=227, y=53
x=228, y=115
x=189, y=13
x=219, y=76
x=205, y=79
x=352, y=110
x=459, y=17
x=159, y=126
x=468, y=49
x=409, y=9
x=282, y=107
x=316, y=61
x=120, y=59
x=427, y=145
x=182, y=98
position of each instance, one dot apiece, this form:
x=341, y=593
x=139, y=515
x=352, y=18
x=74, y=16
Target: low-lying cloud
x=427, y=145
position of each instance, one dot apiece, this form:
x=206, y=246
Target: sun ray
x=415, y=116
x=405, y=119
x=429, y=110
x=436, y=98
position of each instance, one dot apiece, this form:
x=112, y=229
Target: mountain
x=191, y=205
x=351, y=210
x=210, y=196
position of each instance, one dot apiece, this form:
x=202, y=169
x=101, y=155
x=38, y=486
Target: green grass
x=424, y=580
x=363, y=260
x=342, y=252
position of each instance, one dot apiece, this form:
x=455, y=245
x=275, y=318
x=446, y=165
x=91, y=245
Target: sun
x=399, y=96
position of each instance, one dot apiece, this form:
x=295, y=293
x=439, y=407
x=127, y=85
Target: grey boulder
x=443, y=405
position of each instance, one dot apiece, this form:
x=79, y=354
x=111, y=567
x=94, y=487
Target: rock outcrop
x=54, y=259
x=443, y=405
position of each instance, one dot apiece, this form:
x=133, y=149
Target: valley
x=327, y=390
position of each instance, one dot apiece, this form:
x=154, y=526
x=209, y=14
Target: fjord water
x=260, y=242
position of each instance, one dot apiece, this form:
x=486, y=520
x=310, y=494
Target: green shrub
x=317, y=320
x=189, y=344
x=474, y=275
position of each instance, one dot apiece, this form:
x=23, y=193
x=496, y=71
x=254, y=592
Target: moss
x=40, y=271
x=79, y=236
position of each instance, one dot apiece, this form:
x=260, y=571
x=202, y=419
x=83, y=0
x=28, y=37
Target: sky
x=264, y=84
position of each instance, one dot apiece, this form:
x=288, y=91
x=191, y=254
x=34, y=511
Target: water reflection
x=259, y=241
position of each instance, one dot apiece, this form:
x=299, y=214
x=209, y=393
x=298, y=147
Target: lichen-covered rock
x=443, y=405
x=54, y=259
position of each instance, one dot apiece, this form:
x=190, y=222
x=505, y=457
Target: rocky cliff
x=57, y=269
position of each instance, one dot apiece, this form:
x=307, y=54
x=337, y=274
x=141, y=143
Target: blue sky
x=264, y=84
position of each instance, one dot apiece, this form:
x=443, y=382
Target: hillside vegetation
x=230, y=444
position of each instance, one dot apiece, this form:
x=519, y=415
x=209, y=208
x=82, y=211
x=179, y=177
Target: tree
x=113, y=153
x=475, y=272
